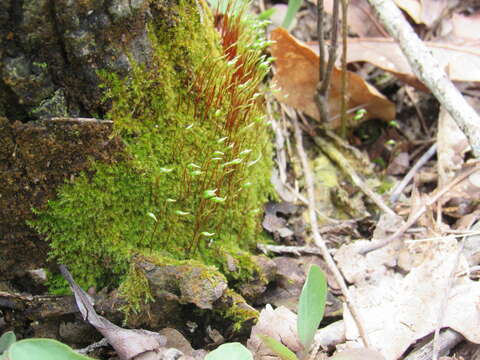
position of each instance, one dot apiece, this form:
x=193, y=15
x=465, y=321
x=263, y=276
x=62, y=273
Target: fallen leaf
x=360, y=18
x=462, y=63
x=398, y=310
x=279, y=324
x=412, y=7
x=296, y=74
x=357, y=354
x=128, y=343
x=425, y=11
x=452, y=145
x=466, y=27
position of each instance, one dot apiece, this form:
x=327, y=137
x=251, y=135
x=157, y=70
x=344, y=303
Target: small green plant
x=38, y=349
x=230, y=351
x=311, y=308
x=293, y=7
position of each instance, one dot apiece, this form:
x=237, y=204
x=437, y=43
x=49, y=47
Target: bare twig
x=428, y=71
x=94, y=346
x=283, y=249
x=325, y=71
x=321, y=39
x=413, y=219
x=317, y=237
x=397, y=190
x=343, y=90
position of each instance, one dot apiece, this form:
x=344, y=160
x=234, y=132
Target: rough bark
x=51, y=52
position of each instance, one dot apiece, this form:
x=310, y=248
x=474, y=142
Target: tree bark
x=51, y=52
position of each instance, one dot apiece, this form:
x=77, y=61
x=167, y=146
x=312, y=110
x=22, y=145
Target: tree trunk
x=50, y=55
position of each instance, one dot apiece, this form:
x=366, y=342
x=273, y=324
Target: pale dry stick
x=284, y=249
x=94, y=346
x=413, y=219
x=317, y=238
x=426, y=68
x=444, y=302
x=397, y=190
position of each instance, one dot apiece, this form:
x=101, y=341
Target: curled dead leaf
x=296, y=74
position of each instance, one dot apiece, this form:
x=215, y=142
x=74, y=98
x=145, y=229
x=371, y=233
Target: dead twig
x=397, y=190
x=343, y=89
x=428, y=71
x=87, y=350
x=309, y=183
x=283, y=249
x=326, y=65
x=432, y=199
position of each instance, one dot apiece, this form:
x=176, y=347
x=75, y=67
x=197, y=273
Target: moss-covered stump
x=195, y=167
x=35, y=158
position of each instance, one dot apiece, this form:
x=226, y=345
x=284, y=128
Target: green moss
x=197, y=152
x=135, y=290
x=237, y=311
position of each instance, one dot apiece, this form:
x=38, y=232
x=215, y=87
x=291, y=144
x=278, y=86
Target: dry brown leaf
x=398, y=310
x=357, y=354
x=296, y=74
x=412, y=7
x=452, y=146
x=462, y=63
x=128, y=343
x=424, y=11
x=279, y=324
x=360, y=18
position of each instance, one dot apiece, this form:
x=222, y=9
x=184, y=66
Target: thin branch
x=397, y=190
x=317, y=237
x=332, y=51
x=343, y=90
x=325, y=71
x=321, y=39
x=284, y=249
x=428, y=71
x=413, y=219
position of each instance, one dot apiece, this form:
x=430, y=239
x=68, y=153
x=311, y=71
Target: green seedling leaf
x=311, y=305
x=42, y=349
x=230, y=351
x=6, y=340
x=293, y=6
x=278, y=348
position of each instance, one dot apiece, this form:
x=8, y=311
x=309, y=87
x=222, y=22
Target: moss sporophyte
x=197, y=158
